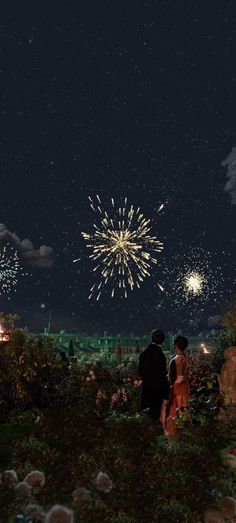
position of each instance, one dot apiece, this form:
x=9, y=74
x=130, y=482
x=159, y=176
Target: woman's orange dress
x=179, y=401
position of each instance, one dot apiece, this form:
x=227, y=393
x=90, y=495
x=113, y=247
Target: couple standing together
x=164, y=396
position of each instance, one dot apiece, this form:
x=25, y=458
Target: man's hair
x=158, y=336
x=181, y=342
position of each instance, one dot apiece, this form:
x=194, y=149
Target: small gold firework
x=122, y=247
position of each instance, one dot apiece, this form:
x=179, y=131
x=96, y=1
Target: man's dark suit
x=155, y=387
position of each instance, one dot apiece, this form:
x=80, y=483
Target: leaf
x=210, y=385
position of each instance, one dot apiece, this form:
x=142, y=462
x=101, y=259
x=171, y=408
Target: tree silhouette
x=71, y=350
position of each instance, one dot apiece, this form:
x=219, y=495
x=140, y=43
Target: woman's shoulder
x=181, y=359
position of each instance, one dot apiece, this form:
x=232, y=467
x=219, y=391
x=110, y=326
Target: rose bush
x=100, y=456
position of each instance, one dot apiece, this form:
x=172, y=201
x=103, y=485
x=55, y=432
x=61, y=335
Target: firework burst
x=193, y=279
x=9, y=269
x=194, y=283
x=123, y=249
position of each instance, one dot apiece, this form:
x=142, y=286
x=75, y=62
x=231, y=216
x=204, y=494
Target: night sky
x=120, y=99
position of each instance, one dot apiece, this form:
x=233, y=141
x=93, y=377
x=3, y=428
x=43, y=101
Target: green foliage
x=204, y=391
x=10, y=433
x=29, y=372
x=227, y=338
x=76, y=429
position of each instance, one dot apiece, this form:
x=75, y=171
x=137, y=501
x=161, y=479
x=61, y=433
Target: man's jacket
x=152, y=369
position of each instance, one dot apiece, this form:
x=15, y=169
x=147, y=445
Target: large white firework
x=9, y=269
x=193, y=278
x=122, y=246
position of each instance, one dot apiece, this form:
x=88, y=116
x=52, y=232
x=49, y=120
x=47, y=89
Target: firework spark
x=9, y=269
x=122, y=247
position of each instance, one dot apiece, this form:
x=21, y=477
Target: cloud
x=42, y=257
x=213, y=321
x=230, y=163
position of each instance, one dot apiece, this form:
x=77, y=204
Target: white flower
x=81, y=494
x=35, y=478
x=103, y=483
x=9, y=477
x=59, y=514
x=23, y=489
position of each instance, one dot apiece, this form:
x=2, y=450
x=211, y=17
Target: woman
x=179, y=387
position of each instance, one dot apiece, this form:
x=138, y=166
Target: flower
x=81, y=494
x=231, y=461
x=103, y=483
x=9, y=477
x=101, y=395
x=59, y=514
x=35, y=478
x=212, y=516
x=120, y=396
x=91, y=375
x=227, y=506
x=137, y=383
x=35, y=511
x=231, y=451
x=23, y=489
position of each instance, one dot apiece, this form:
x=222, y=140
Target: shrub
x=29, y=372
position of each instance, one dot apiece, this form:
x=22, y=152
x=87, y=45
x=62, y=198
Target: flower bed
x=89, y=424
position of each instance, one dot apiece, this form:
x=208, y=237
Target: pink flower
x=35, y=478
x=231, y=451
x=9, y=477
x=120, y=396
x=23, y=489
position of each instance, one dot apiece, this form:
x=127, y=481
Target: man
x=152, y=370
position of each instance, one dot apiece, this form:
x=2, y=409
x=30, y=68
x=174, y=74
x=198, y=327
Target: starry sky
x=120, y=99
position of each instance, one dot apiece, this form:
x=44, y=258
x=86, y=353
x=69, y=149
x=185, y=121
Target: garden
x=74, y=446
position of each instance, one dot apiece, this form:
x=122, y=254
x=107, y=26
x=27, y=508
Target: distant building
x=130, y=343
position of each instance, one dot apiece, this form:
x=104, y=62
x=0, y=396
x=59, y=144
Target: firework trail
x=122, y=246
x=9, y=269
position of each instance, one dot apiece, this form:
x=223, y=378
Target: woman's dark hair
x=181, y=342
x=158, y=336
